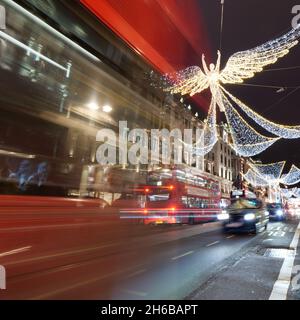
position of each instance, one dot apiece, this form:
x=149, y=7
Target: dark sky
x=248, y=23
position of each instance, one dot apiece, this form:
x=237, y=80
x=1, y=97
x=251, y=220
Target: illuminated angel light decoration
x=262, y=175
x=209, y=135
x=240, y=66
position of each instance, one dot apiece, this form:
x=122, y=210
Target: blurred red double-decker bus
x=177, y=195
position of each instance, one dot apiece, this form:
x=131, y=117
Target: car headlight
x=223, y=216
x=279, y=212
x=249, y=216
x=267, y=213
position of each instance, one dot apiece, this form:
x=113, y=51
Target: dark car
x=276, y=211
x=249, y=215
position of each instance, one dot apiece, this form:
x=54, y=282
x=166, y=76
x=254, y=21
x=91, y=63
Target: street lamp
x=93, y=106
x=107, y=108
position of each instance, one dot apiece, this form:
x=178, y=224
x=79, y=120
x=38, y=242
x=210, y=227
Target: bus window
x=159, y=197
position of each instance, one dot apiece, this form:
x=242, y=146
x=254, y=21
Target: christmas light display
x=296, y=192
x=287, y=193
x=287, y=132
x=293, y=177
x=290, y=193
x=240, y=66
x=254, y=179
x=262, y=175
x=209, y=136
x=270, y=171
x=247, y=142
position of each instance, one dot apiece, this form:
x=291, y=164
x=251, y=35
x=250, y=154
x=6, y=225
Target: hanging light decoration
x=287, y=132
x=208, y=135
x=289, y=193
x=247, y=142
x=262, y=175
x=296, y=192
x=270, y=171
x=254, y=179
x=293, y=177
x=240, y=66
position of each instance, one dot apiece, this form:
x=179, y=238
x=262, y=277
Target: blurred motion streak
x=139, y=21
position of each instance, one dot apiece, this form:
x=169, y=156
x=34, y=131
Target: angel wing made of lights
x=243, y=65
x=240, y=66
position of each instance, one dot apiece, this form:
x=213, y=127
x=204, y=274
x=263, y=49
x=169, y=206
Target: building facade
x=75, y=76
x=225, y=163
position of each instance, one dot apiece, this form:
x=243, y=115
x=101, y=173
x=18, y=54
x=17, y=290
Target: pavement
x=268, y=269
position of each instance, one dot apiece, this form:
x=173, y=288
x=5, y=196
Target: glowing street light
x=93, y=106
x=107, y=108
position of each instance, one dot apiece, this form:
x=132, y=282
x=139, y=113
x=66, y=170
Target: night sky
x=248, y=23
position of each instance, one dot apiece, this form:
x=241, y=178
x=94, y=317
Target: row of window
x=192, y=202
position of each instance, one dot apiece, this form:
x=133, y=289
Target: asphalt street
x=162, y=262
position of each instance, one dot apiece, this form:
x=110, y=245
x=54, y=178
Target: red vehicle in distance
x=176, y=195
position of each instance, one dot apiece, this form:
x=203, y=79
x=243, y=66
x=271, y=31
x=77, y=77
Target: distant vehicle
x=276, y=211
x=242, y=193
x=249, y=215
x=174, y=196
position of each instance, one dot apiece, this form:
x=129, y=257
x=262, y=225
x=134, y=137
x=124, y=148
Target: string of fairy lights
x=246, y=141
x=290, y=193
x=266, y=175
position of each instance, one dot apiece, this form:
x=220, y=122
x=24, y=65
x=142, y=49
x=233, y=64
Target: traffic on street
x=149, y=150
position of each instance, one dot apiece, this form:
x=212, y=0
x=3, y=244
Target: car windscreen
x=245, y=204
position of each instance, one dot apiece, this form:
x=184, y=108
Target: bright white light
x=93, y=106
x=107, y=108
x=223, y=216
x=249, y=216
x=279, y=212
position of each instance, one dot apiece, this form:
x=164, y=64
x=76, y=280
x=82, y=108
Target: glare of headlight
x=249, y=216
x=279, y=212
x=267, y=213
x=223, y=216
